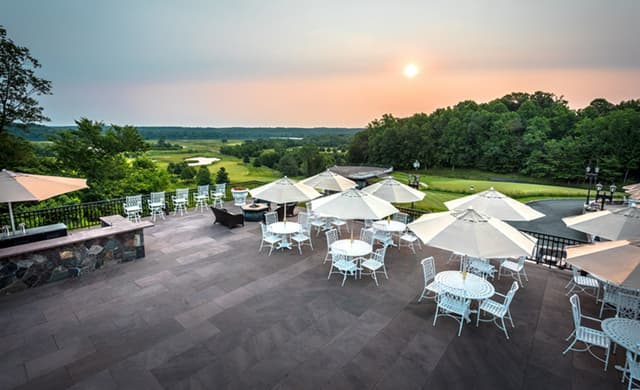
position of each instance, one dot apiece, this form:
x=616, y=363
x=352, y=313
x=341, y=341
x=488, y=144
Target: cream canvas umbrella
x=615, y=261
x=618, y=224
x=633, y=190
x=284, y=190
x=473, y=234
x=495, y=204
x=353, y=204
x=23, y=187
x=393, y=191
x=330, y=181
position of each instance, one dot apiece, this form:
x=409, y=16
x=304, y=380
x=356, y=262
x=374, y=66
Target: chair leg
x=375, y=278
x=460, y=327
x=384, y=268
x=569, y=347
x=524, y=272
x=504, y=328
x=422, y=295
x=344, y=279
x=330, y=270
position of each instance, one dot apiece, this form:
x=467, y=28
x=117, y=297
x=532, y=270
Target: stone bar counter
x=36, y=263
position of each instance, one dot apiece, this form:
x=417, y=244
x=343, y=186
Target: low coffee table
x=254, y=212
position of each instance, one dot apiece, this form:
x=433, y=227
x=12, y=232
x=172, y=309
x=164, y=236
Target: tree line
x=536, y=134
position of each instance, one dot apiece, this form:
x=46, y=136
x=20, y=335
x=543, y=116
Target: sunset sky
x=321, y=63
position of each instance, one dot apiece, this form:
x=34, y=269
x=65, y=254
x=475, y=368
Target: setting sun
x=410, y=70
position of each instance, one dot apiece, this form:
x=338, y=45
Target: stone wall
x=32, y=269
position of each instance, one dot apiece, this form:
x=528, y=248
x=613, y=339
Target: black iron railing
x=551, y=249
x=88, y=214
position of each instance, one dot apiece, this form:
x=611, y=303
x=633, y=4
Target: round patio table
x=388, y=228
x=474, y=287
x=355, y=248
x=285, y=229
x=624, y=332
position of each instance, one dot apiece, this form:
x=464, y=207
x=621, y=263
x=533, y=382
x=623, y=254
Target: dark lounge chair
x=226, y=218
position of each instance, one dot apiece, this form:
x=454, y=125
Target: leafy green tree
x=288, y=165
x=222, y=176
x=204, y=176
x=19, y=85
x=102, y=157
x=188, y=173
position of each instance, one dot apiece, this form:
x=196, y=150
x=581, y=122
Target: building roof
x=356, y=172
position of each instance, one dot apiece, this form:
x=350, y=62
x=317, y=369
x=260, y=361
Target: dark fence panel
x=550, y=249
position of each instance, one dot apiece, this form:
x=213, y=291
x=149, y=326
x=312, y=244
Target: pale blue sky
x=336, y=63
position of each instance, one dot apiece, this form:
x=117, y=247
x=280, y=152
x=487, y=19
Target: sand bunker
x=196, y=161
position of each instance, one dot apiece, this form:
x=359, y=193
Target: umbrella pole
x=13, y=224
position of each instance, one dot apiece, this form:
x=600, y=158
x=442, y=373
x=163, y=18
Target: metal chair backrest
x=366, y=235
x=575, y=310
x=303, y=219
x=379, y=254
x=521, y=260
x=203, y=190
x=428, y=269
x=265, y=230
x=627, y=305
x=271, y=217
x=401, y=217
x=221, y=188
x=133, y=201
x=182, y=193
x=156, y=198
x=332, y=236
x=510, y=294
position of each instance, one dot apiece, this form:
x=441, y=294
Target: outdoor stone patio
x=204, y=310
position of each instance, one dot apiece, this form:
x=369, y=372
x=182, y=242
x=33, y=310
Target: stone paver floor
x=205, y=310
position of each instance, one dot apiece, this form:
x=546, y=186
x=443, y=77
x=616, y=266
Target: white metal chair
x=409, y=240
x=133, y=207
x=202, y=197
x=268, y=238
x=340, y=223
x=628, y=306
x=270, y=218
x=332, y=236
x=514, y=269
x=383, y=237
x=452, y=303
x=303, y=237
x=633, y=367
x=478, y=266
x=582, y=283
x=303, y=219
x=156, y=205
x=400, y=217
x=366, y=235
x=455, y=256
x=342, y=266
x=218, y=195
x=499, y=310
x=375, y=264
x=429, y=273
x=588, y=336
x=611, y=294
x=180, y=200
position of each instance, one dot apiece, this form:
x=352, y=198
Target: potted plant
x=239, y=194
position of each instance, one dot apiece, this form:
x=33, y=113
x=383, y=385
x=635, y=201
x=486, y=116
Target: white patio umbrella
x=284, y=190
x=393, y=191
x=23, y=187
x=619, y=224
x=633, y=190
x=495, y=204
x=353, y=204
x=330, y=181
x=473, y=234
x=615, y=261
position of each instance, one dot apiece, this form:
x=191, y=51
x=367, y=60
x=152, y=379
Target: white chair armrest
x=591, y=318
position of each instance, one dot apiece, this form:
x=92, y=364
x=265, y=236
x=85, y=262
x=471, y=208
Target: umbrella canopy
x=472, y=233
x=633, y=190
x=496, y=204
x=353, y=204
x=23, y=187
x=284, y=190
x=617, y=224
x=393, y=191
x=615, y=261
x=330, y=181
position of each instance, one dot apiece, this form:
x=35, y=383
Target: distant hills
x=40, y=132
